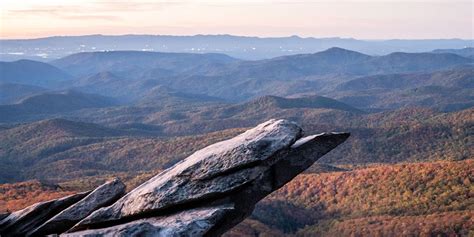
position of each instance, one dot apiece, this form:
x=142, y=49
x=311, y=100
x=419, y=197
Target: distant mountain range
x=221, y=76
x=149, y=88
x=308, y=72
x=51, y=48
x=136, y=62
x=465, y=52
x=446, y=90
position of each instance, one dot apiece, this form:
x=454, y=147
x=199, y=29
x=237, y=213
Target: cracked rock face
x=102, y=196
x=195, y=222
x=21, y=222
x=205, y=175
x=205, y=194
x=237, y=172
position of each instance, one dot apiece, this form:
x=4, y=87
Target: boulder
x=21, y=222
x=235, y=173
x=102, y=196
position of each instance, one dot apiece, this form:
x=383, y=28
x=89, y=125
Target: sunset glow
x=351, y=18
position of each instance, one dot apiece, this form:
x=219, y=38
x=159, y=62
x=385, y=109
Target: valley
x=70, y=124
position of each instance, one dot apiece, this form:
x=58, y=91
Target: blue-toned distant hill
x=446, y=90
x=343, y=61
x=11, y=93
x=305, y=73
x=154, y=88
x=30, y=72
x=467, y=52
x=221, y=76
x=236, y=46
x=50, y=103
x=135, y=63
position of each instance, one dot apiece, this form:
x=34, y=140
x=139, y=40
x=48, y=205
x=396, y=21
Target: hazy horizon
x=368, y=20
x=234, y=35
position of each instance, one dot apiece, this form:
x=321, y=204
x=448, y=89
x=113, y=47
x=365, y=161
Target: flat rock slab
x=21, y=222
x=102, y=196
x=189, y=223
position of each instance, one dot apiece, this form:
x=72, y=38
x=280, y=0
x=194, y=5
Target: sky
x=361, y=19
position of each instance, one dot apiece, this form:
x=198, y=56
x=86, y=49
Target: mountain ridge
x=49, y=103
x=87, y=63
x=32, y=73
x=245, y=47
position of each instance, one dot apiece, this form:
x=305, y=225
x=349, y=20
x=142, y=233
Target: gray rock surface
x=21, y=222
x=237, y=172
x=207, y=174
x=102, y=196
x=4, y=215
x=190, y=223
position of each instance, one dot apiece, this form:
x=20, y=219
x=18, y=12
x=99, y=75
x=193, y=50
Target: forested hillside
x=388, y=200
x=77, y=149
x=397, y=200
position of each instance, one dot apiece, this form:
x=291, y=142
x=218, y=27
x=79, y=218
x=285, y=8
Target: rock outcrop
x=237, y=172
x=205, y=194
x=21, y=222
x=102, y=196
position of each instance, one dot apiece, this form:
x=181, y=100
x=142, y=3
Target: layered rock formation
x=57, y=216
x=203, y=195
x=20, y=223
x=102, y=196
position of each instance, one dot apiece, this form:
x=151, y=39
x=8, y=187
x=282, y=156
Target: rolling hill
x=34, y=73
x=271, y=104
x=396, y=200
x=134, y=63
x=197, y=118
x=467, y=52
x=60, y=149
x=342, y=61
x=136, y=92
x=462, y=77
x=50, y=103
x=12, y=93
x=248, y=79
x=447, y=90
x=224, y=77
x=76, y=149
x=431, y=198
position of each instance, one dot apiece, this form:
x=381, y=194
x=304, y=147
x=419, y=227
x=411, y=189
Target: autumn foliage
x=20, y=195
x=409, y=199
